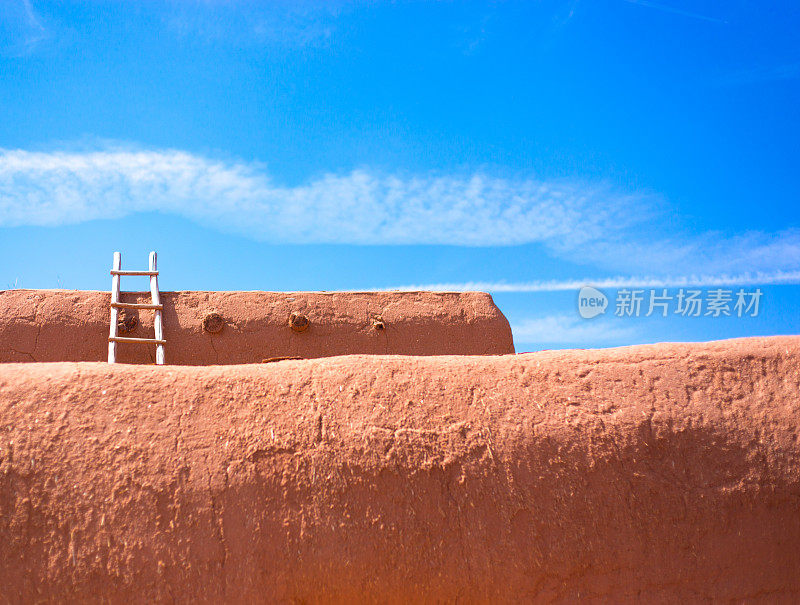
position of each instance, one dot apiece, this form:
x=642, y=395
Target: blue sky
x=524, y=148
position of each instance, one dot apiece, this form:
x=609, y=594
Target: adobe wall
x=70, y=325
x=650, y=473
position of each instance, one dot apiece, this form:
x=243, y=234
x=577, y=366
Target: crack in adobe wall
x=213, y=348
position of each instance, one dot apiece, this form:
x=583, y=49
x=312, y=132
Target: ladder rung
x=120, y=305
x=121, y=339
x=121, y=272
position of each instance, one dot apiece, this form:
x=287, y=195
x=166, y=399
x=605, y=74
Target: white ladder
x=116, y=305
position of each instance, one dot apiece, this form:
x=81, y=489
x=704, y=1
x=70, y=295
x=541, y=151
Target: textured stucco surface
x=650, y=473
x=71, y=325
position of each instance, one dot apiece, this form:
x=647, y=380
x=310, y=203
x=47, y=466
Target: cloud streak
x=675, y=11
x=290, y=24
x=687, y=281
x=21, y=30
x=755, y=75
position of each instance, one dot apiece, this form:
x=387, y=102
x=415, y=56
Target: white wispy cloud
x=665, y=8
x=361, y=207
x=589, y=223
x=21, y=29
x=762, y=73
x=286, y=23
x=686, y=281
x=572, y=330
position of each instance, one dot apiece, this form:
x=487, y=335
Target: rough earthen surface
x=651, y=474
x=70, y=325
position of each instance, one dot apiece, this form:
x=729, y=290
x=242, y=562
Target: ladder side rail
x=112, y=331
x=156, y=300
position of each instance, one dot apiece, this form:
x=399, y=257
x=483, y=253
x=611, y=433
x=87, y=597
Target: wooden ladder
x=116, y=305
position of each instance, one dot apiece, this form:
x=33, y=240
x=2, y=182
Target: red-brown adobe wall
x=651, y=474
x=70, y=325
